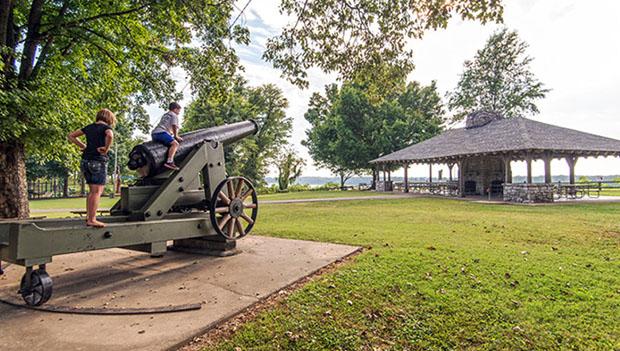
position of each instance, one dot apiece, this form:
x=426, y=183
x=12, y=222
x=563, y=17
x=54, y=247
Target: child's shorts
x=163, y=137
x=95, y=172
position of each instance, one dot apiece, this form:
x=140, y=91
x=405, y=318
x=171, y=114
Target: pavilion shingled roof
x=509, y=136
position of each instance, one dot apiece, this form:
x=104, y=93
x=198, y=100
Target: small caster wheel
x=36, y=287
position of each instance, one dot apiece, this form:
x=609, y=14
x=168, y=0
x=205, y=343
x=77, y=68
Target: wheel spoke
x=246, y=194
x=240, y=228
x=224, y=198
x=223, y=221
x=231, y=192
x=240, y=185
x=247, y=218
x=231, y=227
x=249, y=206
x=222, y=210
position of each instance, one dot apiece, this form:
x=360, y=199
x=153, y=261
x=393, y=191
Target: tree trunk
x=82, y=185
x=13, y=184
x=65, y=186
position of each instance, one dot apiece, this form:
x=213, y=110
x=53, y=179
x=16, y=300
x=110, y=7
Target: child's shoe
x=171, y=165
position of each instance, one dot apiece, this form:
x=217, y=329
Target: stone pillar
x=461, y=179
x=528, y=161
x=430, y=172
x=450, y=165
x=571, y=168
x=547, y=160
x=406, y=177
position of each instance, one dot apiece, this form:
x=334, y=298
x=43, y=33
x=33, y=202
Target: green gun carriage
x=198, y=207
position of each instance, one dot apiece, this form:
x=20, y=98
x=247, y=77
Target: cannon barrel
x=150, y=157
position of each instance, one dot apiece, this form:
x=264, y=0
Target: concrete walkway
x=117, y=278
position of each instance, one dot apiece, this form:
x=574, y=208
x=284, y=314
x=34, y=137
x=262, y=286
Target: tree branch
x=48, y=44
x=32, y=40
x=92, y=18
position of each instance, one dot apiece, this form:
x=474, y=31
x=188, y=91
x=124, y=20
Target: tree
x=48, y=169
x=290, y=167
x=63, y=60
x=266, y=105
x=498, y=79
x=349, y=127
x=357, y=38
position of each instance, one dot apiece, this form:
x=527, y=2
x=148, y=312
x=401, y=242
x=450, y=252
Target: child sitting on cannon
x=167, y=132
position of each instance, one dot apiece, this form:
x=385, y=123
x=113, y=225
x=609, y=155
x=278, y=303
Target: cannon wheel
x=36, y=287
x=233, y=207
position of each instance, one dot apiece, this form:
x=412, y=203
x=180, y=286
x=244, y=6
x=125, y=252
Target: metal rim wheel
x=234, y=207
x=36, y=287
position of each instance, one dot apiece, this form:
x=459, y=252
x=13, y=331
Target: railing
x=577, y=191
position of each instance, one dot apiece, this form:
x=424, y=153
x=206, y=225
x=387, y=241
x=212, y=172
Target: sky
x=575, y=54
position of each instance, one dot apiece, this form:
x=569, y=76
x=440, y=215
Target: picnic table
x=83, y=212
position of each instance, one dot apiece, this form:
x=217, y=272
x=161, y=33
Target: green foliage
x=362, y=38
x=45, y=169
x=266, y=105
x=79, y=56
x=583, y=179
x=290, y=167
x=498, y=79
x=439, y=274
x=350, y=127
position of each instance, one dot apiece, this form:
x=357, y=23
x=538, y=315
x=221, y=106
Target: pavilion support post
x=384, y=176
x=571, y=168
x=547, y=161
x=389, y=172
x=430, y=172
x=507, y=171
x=528, y=161
x=450, y=165
x=461, y=179
x=406, y=177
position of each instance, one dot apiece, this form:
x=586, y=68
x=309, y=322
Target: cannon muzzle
x=150, y=157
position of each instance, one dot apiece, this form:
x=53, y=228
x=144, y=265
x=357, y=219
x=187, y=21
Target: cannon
x=198, y=207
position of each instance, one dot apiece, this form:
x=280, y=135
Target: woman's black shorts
x=95, y=172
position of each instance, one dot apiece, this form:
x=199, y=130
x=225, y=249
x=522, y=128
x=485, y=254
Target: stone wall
x=528, y=193
x=385, y=185
x=483, y=170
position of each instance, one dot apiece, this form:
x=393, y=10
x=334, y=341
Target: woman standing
x=94, y=162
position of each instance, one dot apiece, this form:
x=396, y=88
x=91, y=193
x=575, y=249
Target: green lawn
x=106, y=202
x=444, y=274
x=78, y=202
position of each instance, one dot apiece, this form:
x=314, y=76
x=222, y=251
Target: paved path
x=117, y=278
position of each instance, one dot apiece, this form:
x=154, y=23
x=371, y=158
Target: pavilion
x=484, y=149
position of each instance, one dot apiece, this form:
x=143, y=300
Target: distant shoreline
x=316, y=181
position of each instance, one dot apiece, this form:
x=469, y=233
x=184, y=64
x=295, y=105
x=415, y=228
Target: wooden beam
x=507, y=170
x=430, y=172
x=571, y=168
x=528, y=161
x=406, y=178
x=547, y=160
x=461, y=180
